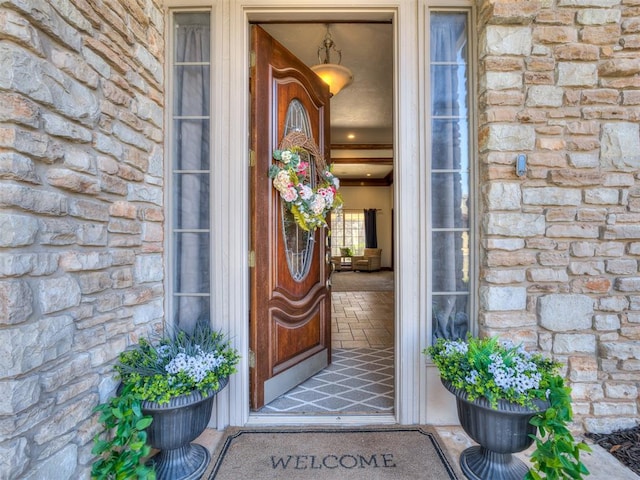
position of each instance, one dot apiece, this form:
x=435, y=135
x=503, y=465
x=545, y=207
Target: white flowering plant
x=494, y=369
x=309, y=203
x=499, y=370
x=177, y=364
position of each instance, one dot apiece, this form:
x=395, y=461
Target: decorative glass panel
x=191, y=135
x=298, y=242
x=449, y=146
x=450, y=187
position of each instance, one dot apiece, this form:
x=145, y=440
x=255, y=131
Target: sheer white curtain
x=449, y=174
x=191, y=169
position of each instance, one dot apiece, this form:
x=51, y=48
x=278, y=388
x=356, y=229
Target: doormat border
x=230, y=437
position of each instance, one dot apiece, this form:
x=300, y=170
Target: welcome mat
x=321, y=454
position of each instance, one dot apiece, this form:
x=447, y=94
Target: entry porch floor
x=453, y=440
x=363, y=320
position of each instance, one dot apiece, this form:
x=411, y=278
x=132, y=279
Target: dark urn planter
x=500, y=433
x=175, y=425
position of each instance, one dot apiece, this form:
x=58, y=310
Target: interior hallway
x=362, y=319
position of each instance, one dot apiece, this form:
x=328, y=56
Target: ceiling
x=364, y=109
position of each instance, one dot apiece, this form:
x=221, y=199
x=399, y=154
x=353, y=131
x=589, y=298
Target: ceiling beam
x=362, y=161
x=366, y=182
x=361, y=146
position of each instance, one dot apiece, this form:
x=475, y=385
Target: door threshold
x=270, y=419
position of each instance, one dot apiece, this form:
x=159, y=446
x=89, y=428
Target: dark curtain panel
x=370, y=231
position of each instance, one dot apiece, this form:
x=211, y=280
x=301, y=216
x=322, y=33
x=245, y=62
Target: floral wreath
x=308, y=199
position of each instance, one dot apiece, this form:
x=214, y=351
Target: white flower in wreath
x=335, y=181
x=318, y=204
x=282, y=181
x=306, y=192
x=286, y=156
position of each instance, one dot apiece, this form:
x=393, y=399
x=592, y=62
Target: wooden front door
x=290, y=325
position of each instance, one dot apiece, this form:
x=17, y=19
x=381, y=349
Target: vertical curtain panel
x=191, y=170
x=449, y=175
x=370, y=229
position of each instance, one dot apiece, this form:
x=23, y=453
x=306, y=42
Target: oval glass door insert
x=298, y=242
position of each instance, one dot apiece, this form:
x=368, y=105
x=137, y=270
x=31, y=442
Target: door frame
x=409, y=204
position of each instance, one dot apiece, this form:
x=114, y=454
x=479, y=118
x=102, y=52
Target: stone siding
x=560, y=82
x=81, y=217
x=82, y=189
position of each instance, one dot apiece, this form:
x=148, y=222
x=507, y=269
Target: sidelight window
x=190, y=146
x=450, y=173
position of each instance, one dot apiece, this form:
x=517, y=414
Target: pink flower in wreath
x=327, y=194
x=302, y=168
x=289, y=194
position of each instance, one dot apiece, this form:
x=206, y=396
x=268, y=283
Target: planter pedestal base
x=185, y=463
x=478, y=463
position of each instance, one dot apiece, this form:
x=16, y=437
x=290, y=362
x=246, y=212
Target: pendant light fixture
x=333, y=74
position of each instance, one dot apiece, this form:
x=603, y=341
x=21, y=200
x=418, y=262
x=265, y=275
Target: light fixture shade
x=334, y=75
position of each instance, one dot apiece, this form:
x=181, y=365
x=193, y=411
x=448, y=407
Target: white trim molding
x=230, y=189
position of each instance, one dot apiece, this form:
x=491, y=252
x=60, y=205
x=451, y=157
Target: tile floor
x=362, y=319
x=360, y=379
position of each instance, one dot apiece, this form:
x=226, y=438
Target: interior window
x=190, y=168
x=449, y=72
x=347, y=231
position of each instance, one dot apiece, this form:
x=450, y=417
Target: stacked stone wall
x=81, y=217
x=559, y=81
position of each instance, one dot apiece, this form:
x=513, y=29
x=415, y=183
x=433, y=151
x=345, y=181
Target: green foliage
x=557, y=454
x=122, y=447
x=178, y=364
x=306, y=191
x=346, y=252
x=497, y=371
x=468, y=366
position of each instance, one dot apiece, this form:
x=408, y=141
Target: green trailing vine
x=557, y=454
x=122, y=447
x=179, y=363
x=498, y=370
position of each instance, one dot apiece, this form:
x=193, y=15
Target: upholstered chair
x=369, y=262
